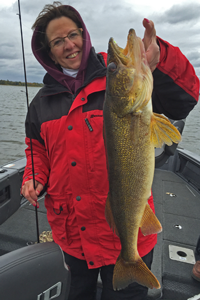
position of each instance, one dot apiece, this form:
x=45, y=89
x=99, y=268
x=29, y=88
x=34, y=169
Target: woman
x=68, y=148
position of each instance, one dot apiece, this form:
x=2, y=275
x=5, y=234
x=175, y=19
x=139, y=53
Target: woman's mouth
x=72, y=55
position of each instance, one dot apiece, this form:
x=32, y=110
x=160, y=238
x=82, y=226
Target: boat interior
x=31, y=270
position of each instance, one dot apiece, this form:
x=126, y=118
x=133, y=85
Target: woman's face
x=68, y=54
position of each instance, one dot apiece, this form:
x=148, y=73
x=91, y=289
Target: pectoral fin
x=149, y=223
x=162, y=131
x=109, y=216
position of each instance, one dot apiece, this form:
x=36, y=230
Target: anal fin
x=149, y=223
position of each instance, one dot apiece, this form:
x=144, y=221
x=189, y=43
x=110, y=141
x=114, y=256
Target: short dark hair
x=49, y=13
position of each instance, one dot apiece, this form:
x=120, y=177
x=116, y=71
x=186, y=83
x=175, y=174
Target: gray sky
x=177, y=22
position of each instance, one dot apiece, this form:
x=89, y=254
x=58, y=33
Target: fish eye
x=112, y=67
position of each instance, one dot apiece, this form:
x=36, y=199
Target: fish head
x=129, y=81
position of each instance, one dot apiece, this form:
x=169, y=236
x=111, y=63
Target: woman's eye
x=57, y=42
x=73, y=35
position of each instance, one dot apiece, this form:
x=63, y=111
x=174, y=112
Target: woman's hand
x=150, y=44
x=30, y=193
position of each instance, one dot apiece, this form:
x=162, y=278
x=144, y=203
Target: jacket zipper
x=88, y=124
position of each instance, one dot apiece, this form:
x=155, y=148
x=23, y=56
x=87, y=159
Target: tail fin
x=128, y=272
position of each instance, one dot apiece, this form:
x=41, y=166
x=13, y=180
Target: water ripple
x=12, y=119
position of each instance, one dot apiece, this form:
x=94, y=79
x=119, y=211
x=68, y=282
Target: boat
x=36, y=271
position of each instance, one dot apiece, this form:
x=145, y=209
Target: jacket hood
x=55, y=70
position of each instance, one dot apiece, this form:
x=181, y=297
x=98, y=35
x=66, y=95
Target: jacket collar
x=96, y=68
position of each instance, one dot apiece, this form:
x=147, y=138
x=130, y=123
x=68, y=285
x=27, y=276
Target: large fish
x=132, y=131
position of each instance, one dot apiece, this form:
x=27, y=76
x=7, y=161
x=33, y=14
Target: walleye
x=132, y=131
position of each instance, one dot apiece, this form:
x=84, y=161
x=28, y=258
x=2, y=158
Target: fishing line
x=29, y=118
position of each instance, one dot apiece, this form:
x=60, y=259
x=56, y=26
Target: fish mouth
x=128, y=75
x=115, y=53
x=133, y=55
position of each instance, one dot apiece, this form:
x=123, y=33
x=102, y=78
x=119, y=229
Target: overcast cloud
x=176, y=21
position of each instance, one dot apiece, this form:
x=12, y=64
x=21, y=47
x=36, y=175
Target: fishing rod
x=29, y=117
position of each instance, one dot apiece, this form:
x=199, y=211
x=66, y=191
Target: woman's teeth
x=72, y=55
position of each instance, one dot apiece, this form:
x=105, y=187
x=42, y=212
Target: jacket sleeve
x=40, y=159
x=176, y=86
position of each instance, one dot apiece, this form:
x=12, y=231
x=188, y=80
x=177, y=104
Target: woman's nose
x=68, y=44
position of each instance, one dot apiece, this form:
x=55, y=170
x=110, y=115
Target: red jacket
x=69, y=156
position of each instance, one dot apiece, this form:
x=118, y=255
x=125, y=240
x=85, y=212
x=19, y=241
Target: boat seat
x=36, y=272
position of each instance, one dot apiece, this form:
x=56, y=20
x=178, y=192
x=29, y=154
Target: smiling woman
x=60, y=34
x=68, y=146
x=66, y=43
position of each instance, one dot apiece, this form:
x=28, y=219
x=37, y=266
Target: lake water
x=13, y=111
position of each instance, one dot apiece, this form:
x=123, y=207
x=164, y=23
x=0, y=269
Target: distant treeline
x=19, y=83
